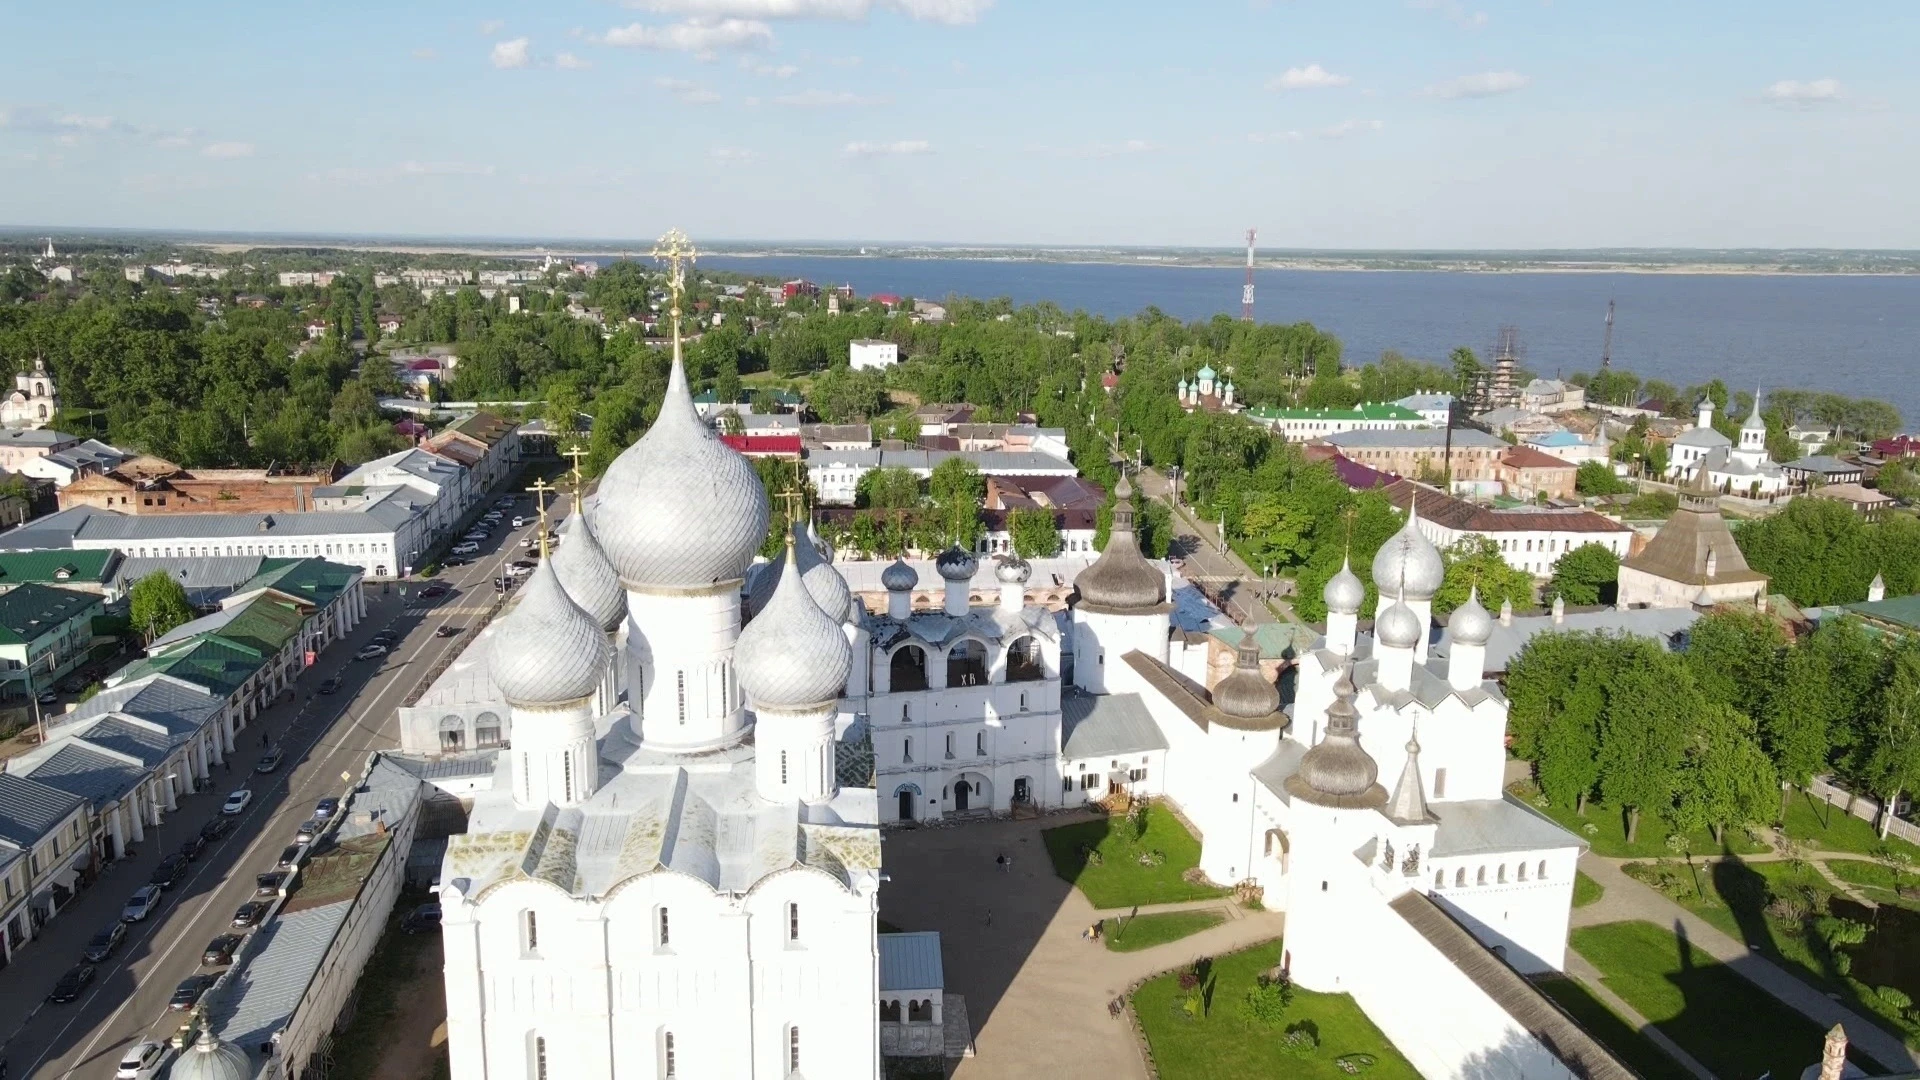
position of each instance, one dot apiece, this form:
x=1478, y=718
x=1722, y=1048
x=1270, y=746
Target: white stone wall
x=1638, y=588
x=1101, y=643
x=1523, y=907
x=680, y=657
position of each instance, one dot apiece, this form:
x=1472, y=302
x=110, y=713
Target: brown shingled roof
x=1526, y=457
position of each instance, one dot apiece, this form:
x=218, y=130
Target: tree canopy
x=156, y=604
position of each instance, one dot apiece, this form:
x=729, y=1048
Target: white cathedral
x=1742, y=468
x=663, y=875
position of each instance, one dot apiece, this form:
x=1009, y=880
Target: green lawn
x=1876, y=881
x=1831, y=828
x=1119, y=879
x=1586, y=890
x=1157, y=928
x=1733, y=1027
x=1613, y=1032
x=1609, y=835
x=1220, y=1046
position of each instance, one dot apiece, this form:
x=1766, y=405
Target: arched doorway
x=962, y=793
x=1025, y=662
x=971, y=791
x=907, y=796
x=967, y=663
x=907, y=668
x=1277, y=847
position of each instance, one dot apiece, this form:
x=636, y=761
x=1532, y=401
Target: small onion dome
x=680, y=509
x=1014, y=571
x=586, y=574
x=1397, y=627
x=899, y=577
x=547, y=651
x=829, y=589
x=1470, y=623
x=792, y=656
x=1345, y=592
x=1337, y=771
x=1121, y=579
x=210, y=1059
x=1407, y=564
x=956, y=564
x=1245, y=692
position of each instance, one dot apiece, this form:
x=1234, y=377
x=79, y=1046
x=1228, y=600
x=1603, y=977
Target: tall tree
x=1652, y=708
x=1034, y=532
x=1893, y=763
x=1725, y=778
x=1735, y=655
x=1476, y=560
x=1589, y=574
x=156, y=604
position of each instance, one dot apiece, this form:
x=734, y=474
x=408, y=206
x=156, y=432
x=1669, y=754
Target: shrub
x=1353, y=1064
x=1299, y=1041
x=1894, y=999
x=1266, y=1002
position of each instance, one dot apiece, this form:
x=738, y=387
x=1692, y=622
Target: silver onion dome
x=586, y=575
x=1337, y=771
x=547, y=651
x=829, y=589
x=1407, y=565
x=899, y=577
x=956, y=564
x=1345, y=592
x=1398, y=627
x=210, y=1059
x=793, y=655
x=1245, y=692
x=1470, y=624
x=1014, y=571
x=1121, y=580
x=680, y=509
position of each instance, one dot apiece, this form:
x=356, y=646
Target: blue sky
x=1362, y=124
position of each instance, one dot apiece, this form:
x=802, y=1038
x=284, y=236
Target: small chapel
x=33, y=400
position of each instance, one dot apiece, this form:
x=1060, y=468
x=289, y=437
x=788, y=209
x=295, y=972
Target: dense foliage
x=1820, y=551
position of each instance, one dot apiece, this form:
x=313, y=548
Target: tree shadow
x=1746, y=894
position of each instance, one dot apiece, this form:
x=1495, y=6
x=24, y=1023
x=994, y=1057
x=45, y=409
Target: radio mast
x=1246, y=291
x=1606, y=342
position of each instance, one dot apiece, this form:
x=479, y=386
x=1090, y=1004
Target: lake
x=1853, y=335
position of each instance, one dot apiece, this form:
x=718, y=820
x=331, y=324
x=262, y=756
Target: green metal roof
x=33, y=611
x=55, y=566
x=265, y=625
x=314, y=581
x=1902, y=611
x=1382, y=410
x=220, y=666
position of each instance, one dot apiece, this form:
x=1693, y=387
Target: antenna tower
x=1507, y=353
x=1606, y=342
x=1246, y=291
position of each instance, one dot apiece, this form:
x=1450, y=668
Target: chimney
x=1559, y=610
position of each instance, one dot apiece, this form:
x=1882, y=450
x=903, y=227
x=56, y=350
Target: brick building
x=152, y=485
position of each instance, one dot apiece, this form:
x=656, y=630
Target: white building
x=1552, y=396
x=1738, y=469
x=447, y=487
x=317, y=278
x=835, y=474
x=871, y=354
x=1530, y=538
x=1435, y=407
x=33, y=401
x=383, y=536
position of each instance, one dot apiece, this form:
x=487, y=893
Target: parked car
x=215, y=829
x=330, y=685
x=249, y=914
x=48, y=697
x=188, y=993
x=219, y=952
x=104, y=943
x=424, y=919
x=371, y=652
x=385, y=637
x=326, y=808
x=307, y=831
x=169, y=872
x=519, y=569
x=236, y=802
x=194, y=845
x=519, y=520
x=493, y=515
x=466, y=548
x=72, y=685
x=456, y=560
x=270, y=884
x=474, y=536
x=146, y=899
x=72, y=984
x=433, y=592
x=506, y=501
x=142, y=1061
x=270, y=760
x=446, y=631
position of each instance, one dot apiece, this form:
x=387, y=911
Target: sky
x=1384, y=124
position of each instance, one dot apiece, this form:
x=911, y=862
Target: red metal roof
x=752, y=445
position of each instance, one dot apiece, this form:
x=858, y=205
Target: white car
x=142, y=1061
x=145, y=899
x=467, y=548
x=236, y=802
x=371, y=652
x=519, y=521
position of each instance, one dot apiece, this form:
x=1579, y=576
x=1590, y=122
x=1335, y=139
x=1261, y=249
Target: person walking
x=1001, y=862
x=989, y=918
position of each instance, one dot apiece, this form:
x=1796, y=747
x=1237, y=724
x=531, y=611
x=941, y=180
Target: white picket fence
x=1863, y=807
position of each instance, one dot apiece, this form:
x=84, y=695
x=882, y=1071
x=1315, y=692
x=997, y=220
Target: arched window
x=1542, y=875
x=486, y=730
x=1439, y=879
x=453, y=732
x=906, y=749
x=907, y=668
x=664, y=935
x=919, y=1011
x=1523, y=872
x=793, y=922
x=1025, y=662
x=966, y=663
x=668, y=1066
x=539, y=1058
x=1502, y=874
x=1481, y=877
x=793, y=1048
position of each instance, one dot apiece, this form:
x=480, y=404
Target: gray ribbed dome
x=1397, y=627
x=792, y=655
x=1121, y=579
x=547, y=651
x=1014, y=571
x=829, y=589
x=680, y=509
x=210, y=1059
x=955, y=564
x=1345, y=592
x=1470, y=624
x=1337, y=771
x=1407, y=564
x=1245, y=692
x=899, y=577
x=586, y=574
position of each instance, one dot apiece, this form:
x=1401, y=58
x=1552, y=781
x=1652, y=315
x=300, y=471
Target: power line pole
x=1606, y=342
x=1246, y=291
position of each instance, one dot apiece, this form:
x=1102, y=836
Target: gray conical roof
x=547, y=651
x=829, y=589
x=1245, y=692
x=1345, y=592
x=1408, y=565
x=586, y=574
x=1408, y=805
x=1337, y=771
x=210, y=1059
x=680, y=509
x=1755, y=422
x=1470, y=624
x=792, y=655
x=1121, y=579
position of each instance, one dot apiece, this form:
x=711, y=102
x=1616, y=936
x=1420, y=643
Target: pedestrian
x=989, y=918
x=228, y=765
x=263, y=740
x=1001, y=862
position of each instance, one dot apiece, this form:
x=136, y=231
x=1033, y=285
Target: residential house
x=1075, y=503
x=1526, y=473
x=784, y=447
x=43, y=856
x=1897, y=447
x=89, y=457
x=78, y=571
x=1867, y=502
x=875, y=354
x=485, y=444
x=1471, y=457
x=938, y=418
x=1305, y=425
x=1435, y=407
x=153, y=485
x=383, y=536
x=1529, y=539
x=1572, y=448
x=1015, y=438
x=446, y=486
x=1552, y=396
x=45, y=633
x=836, y=436
x=835, y=475
x=18, y=446
x=1819, y=470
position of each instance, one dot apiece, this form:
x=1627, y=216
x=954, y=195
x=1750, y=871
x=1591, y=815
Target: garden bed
x=1119, y=863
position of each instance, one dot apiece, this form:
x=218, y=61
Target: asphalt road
x=323, y=736
x=1220, y=573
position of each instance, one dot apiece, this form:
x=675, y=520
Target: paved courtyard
x=1036, y=992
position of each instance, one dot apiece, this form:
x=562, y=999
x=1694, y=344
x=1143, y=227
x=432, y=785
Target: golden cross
x=791, y=496
x=576, y=452
x=676, y=251
x=540, y=488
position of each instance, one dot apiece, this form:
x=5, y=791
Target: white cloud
x=228, y=150
x=1258, y=137
x=1350, y=127
x=1311, y=77
x=444, y=168
x=404, y=170
x=493, y=26
x=1100, y=150
x=760, y=67
x=694, y=35
x=510, y=54
x=424, y=54
x=1485, y=84
x=732, y=154
x=819, y=99
x=903, y=147
x=685, y=91
x=1453, y=11
x=566, y=61
x=1798, y=94
x=950, y=12
x=71, y=129
x=844, y=61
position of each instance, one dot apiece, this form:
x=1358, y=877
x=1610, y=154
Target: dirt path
x=416, y=1038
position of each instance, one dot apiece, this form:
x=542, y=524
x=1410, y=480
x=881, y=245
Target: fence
x=1863, y=807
